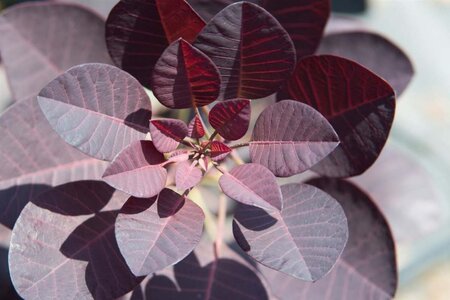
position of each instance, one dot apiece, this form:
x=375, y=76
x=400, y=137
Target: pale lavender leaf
x=188, y=175
x=167, y=133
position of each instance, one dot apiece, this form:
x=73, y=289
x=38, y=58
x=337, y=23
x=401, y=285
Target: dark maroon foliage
x=81, y=238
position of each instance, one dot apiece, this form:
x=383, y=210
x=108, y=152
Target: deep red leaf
x=184, y=77
x=231, y=118
x=167, y=133
x=39, y=41
x=253, y=52
x=252, y=184
x=138, y=32
x=218, y=150
x=63, y=246
x=195, y=128
x=138, y=170
x=34, y=158
x=188, y=175
x=97, y=108
x=304, y=240
x=359, y=105
x=153, y=234
x=374, y=52
x=289, y=137
x=366, y=268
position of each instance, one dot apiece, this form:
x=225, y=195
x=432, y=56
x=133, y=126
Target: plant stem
x=222, y=214
x=240, y=145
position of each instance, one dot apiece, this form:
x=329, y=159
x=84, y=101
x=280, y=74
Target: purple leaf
x=195, y=128
x=231, y=118
x=138, y=32
x=252, y=184
x=184, y=77
x=179, y=156
x=374, y=52
x=63, y=246
x=187, y=175
x=304, y=240
x=167, y=133
x=138, y=170
x=39, y=41
x=253, y=52
x=366, y=268
x=289, y=137
x=97, y=108
x=155, y=233
x=359, y=105
x=34, y=158
x=218, y=150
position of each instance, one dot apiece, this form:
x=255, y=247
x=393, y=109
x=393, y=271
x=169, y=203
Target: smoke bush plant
x=78, y=237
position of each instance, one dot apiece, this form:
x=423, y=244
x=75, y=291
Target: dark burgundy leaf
x=138, y=32
x=39, y=41
x=289, y=137
x=187, y=175
x=34, y=158
x=252, y=184
x=184, y=77
x=219, y=150
x=231, y=118
x=63, y=246
x=304, y=240
x=253, y=52
x=359, y=105
x=97, y=108
x=138, y=170
x=152, y=236
x=366, y=268
x=195, y=128
x=374, y=52
x=167, y=133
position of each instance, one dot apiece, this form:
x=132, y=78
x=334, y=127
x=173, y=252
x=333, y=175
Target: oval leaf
x=184, y=77
x=34, y=159
x=187, y=175
x=63, y=246
x=97, y=108
x=231, y=118
x=218, y=150
x=138, y=170
x=374, y=52
x=359, y=105
x=195, y=128
x=153, y=236
x=38, y=42
x=138, y=32
x=167, y=133
x=253, y=52
x=368, y=260
x=252, y=184
x=289, y=138
x=304, y=240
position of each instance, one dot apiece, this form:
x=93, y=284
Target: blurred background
x=411, y=180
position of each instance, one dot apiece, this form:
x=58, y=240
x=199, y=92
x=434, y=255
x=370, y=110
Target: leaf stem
x=240, y=145
x=222, y=214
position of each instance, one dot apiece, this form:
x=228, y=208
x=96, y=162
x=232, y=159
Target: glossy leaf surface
x=187, y=176
x=39, y=41
x=290, y=137
x=184, y=77
x=34, y=158
x=362, y=116
x=97, y=108
x=167, y=133
x=138, y=32
x=231, y=118
x=304, y=240
x=158, y=232
x=374, y=52
x=63, y=245
x=253, y=52
x=138, y=170
x=252, y=184
x=195, y=128
x=366, y=268
x=219, y=150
